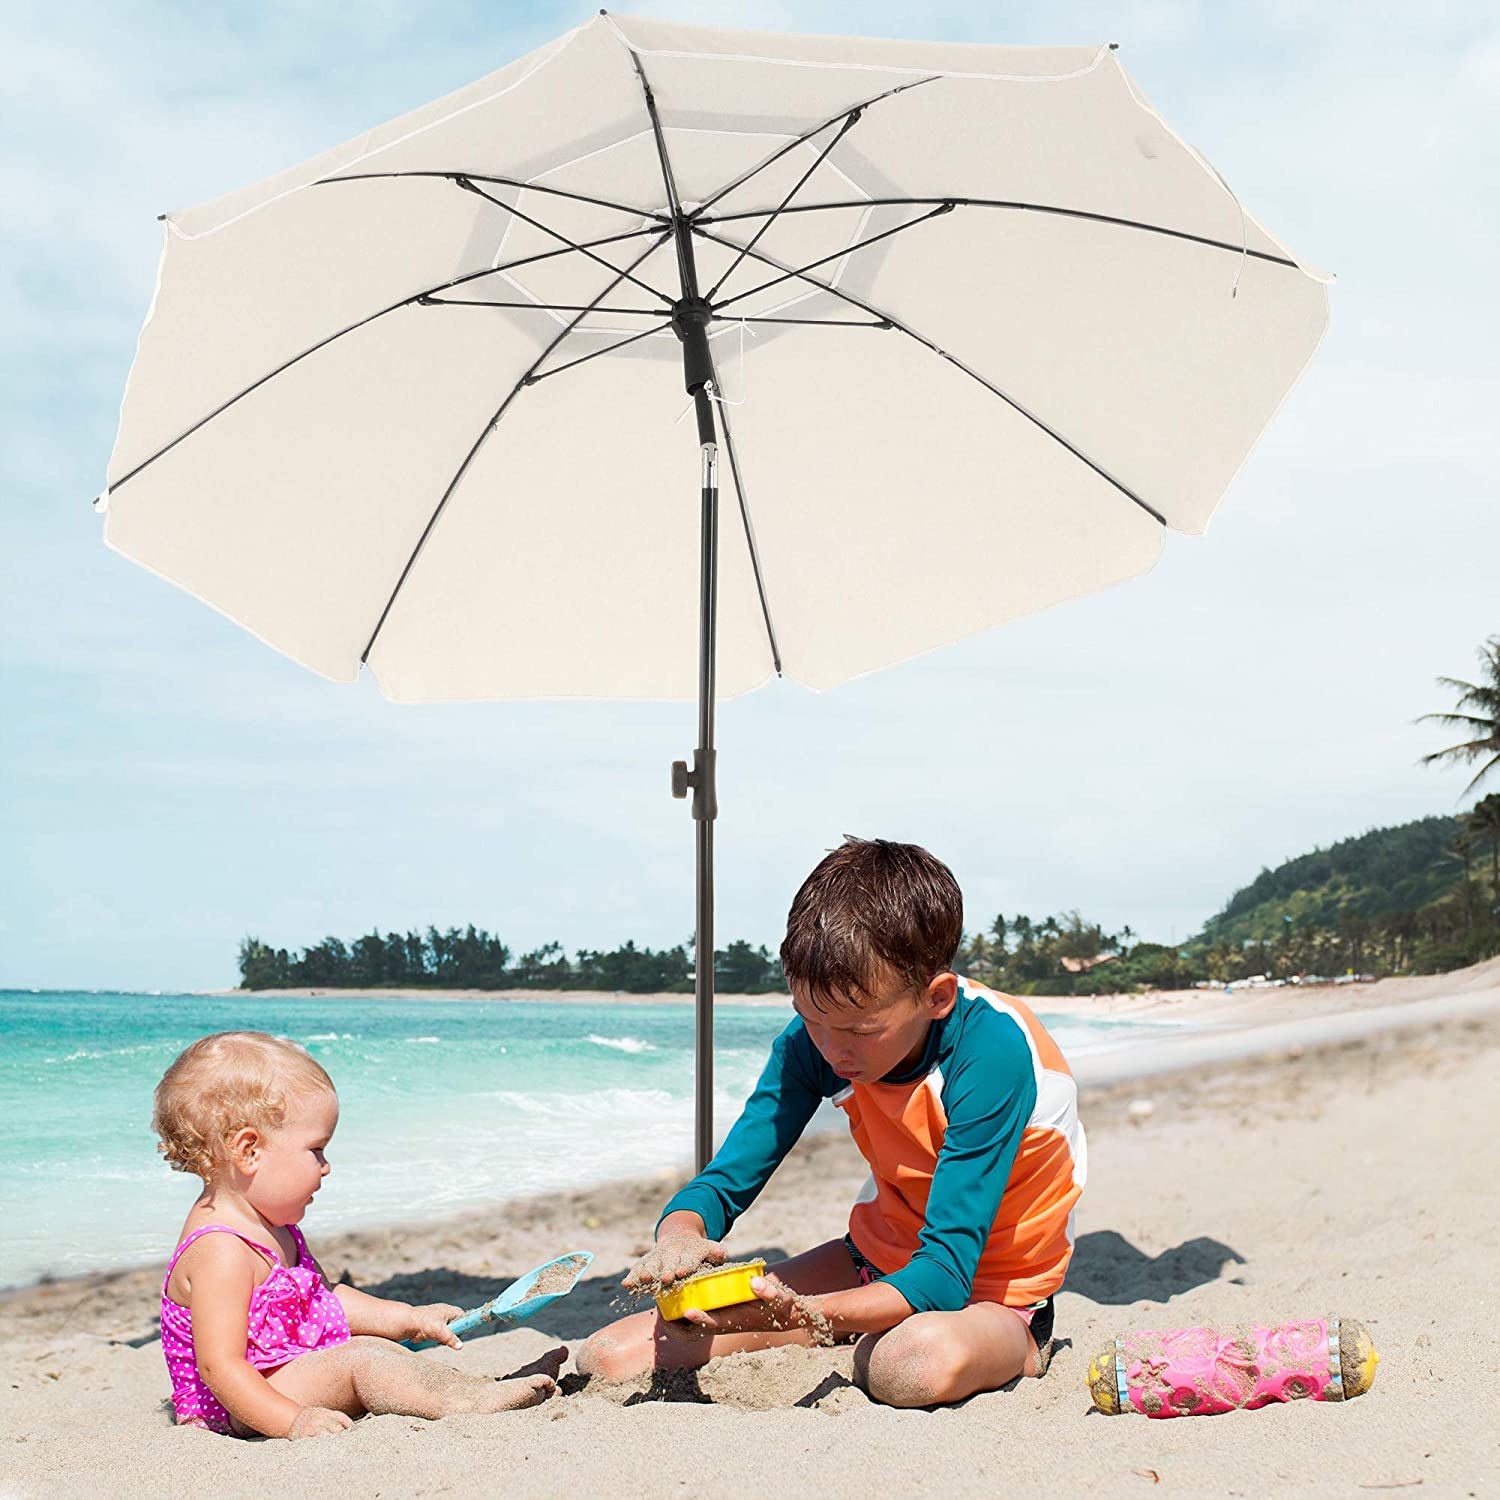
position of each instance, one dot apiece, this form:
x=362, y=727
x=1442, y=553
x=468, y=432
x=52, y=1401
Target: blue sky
x=168, y=784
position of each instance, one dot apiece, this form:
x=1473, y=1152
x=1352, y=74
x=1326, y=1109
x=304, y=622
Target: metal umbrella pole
x=701, y=781
x=690, y=319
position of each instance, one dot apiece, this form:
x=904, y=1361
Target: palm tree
x=999, y=932
x=1484, y=823
x=1477, y=714
x=1462, y=849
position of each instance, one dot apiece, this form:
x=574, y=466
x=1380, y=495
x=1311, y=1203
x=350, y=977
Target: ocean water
x=444, y=1105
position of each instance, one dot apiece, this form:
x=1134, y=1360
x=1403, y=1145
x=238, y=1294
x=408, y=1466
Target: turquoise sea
x=444, y=1104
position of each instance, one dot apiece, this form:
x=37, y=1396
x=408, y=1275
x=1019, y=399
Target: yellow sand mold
x=711, y=1289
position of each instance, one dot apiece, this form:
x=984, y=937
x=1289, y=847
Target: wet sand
x=1353, y=1175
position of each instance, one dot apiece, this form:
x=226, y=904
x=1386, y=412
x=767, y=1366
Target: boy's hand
x=431, y=1322
x=673, y=1258
x=318, y=1421
x=774, y=1310
x=779, y=1301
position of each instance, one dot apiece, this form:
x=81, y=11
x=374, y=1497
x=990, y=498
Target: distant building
x=1083, y=965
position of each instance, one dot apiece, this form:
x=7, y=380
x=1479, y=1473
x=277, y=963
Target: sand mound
x=766, y=1380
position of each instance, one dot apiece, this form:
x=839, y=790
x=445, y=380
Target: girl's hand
x=318, y=1421
x=431, y=1322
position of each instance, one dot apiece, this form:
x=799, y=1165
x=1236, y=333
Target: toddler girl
x=256, y=1340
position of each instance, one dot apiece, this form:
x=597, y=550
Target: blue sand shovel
x=513, y=1306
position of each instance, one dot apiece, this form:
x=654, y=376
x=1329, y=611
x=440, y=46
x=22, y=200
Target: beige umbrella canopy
x=980, y=325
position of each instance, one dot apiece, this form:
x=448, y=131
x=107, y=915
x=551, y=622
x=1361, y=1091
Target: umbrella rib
x=739, y=490
x=1017, y=204
x=488, y=428
x=685, y=273
x=776, y=156
x=805, y=322
x=532, y=187
x=942, y=208
x=850, y=120
x=995, y=390
x=472, y=187
x=533, y=379
x=638, y=312
x=411, y=301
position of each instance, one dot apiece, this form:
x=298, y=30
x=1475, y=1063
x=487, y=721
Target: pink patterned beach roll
x=1181, y=1372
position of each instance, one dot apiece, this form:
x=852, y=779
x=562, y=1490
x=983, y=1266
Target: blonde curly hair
x=221, y=1084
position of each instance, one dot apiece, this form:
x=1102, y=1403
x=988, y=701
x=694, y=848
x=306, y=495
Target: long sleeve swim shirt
x=976, y=1155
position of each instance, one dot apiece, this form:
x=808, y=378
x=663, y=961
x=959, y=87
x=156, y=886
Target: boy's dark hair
x=872, y=902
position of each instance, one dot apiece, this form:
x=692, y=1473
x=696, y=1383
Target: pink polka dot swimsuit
x=291, y=1312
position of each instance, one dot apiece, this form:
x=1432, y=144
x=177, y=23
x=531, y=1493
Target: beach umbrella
x=964, y=328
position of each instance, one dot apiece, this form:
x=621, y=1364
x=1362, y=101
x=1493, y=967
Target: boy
x=964, y=1109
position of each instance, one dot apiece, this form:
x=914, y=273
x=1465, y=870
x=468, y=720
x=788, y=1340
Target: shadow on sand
x=1107, y=1268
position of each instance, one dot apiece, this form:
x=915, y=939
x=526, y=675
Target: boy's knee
x=609, y=1354
x=916, y=1364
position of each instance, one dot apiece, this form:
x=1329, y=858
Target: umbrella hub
x=690, y=319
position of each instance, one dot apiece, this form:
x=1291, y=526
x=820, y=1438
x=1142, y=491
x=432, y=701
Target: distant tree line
x=470, y=958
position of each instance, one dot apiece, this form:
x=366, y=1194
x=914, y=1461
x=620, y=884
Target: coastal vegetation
x=470, y=958
x=1418, y=898
x=1422, y=897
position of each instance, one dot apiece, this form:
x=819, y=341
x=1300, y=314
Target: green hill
x=1392, y=900
x=1384, y=871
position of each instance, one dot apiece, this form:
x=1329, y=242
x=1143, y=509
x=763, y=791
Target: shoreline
x=545, y=997
x=1473, y=1000
x=1239, y=1006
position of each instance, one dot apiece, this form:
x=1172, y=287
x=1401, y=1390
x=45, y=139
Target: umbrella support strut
x=690, y=321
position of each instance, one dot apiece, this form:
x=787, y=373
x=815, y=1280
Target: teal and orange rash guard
x=976, y=1155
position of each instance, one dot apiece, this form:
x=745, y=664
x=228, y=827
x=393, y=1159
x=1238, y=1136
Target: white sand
x=1357, y=1177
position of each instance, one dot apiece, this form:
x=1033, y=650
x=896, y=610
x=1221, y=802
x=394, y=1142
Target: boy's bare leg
x=633, y=1345
x=377, y=1376
x=937, y=1357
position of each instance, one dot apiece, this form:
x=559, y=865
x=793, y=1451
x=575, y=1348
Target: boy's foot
x=550, y=1363
x=516, y=1392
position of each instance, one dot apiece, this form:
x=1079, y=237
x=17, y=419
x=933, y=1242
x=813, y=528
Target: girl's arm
x=221, y=1281
x=398, y=1320
x=388, y=1319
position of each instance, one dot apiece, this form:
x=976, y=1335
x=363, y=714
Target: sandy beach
x=1314, y=1153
